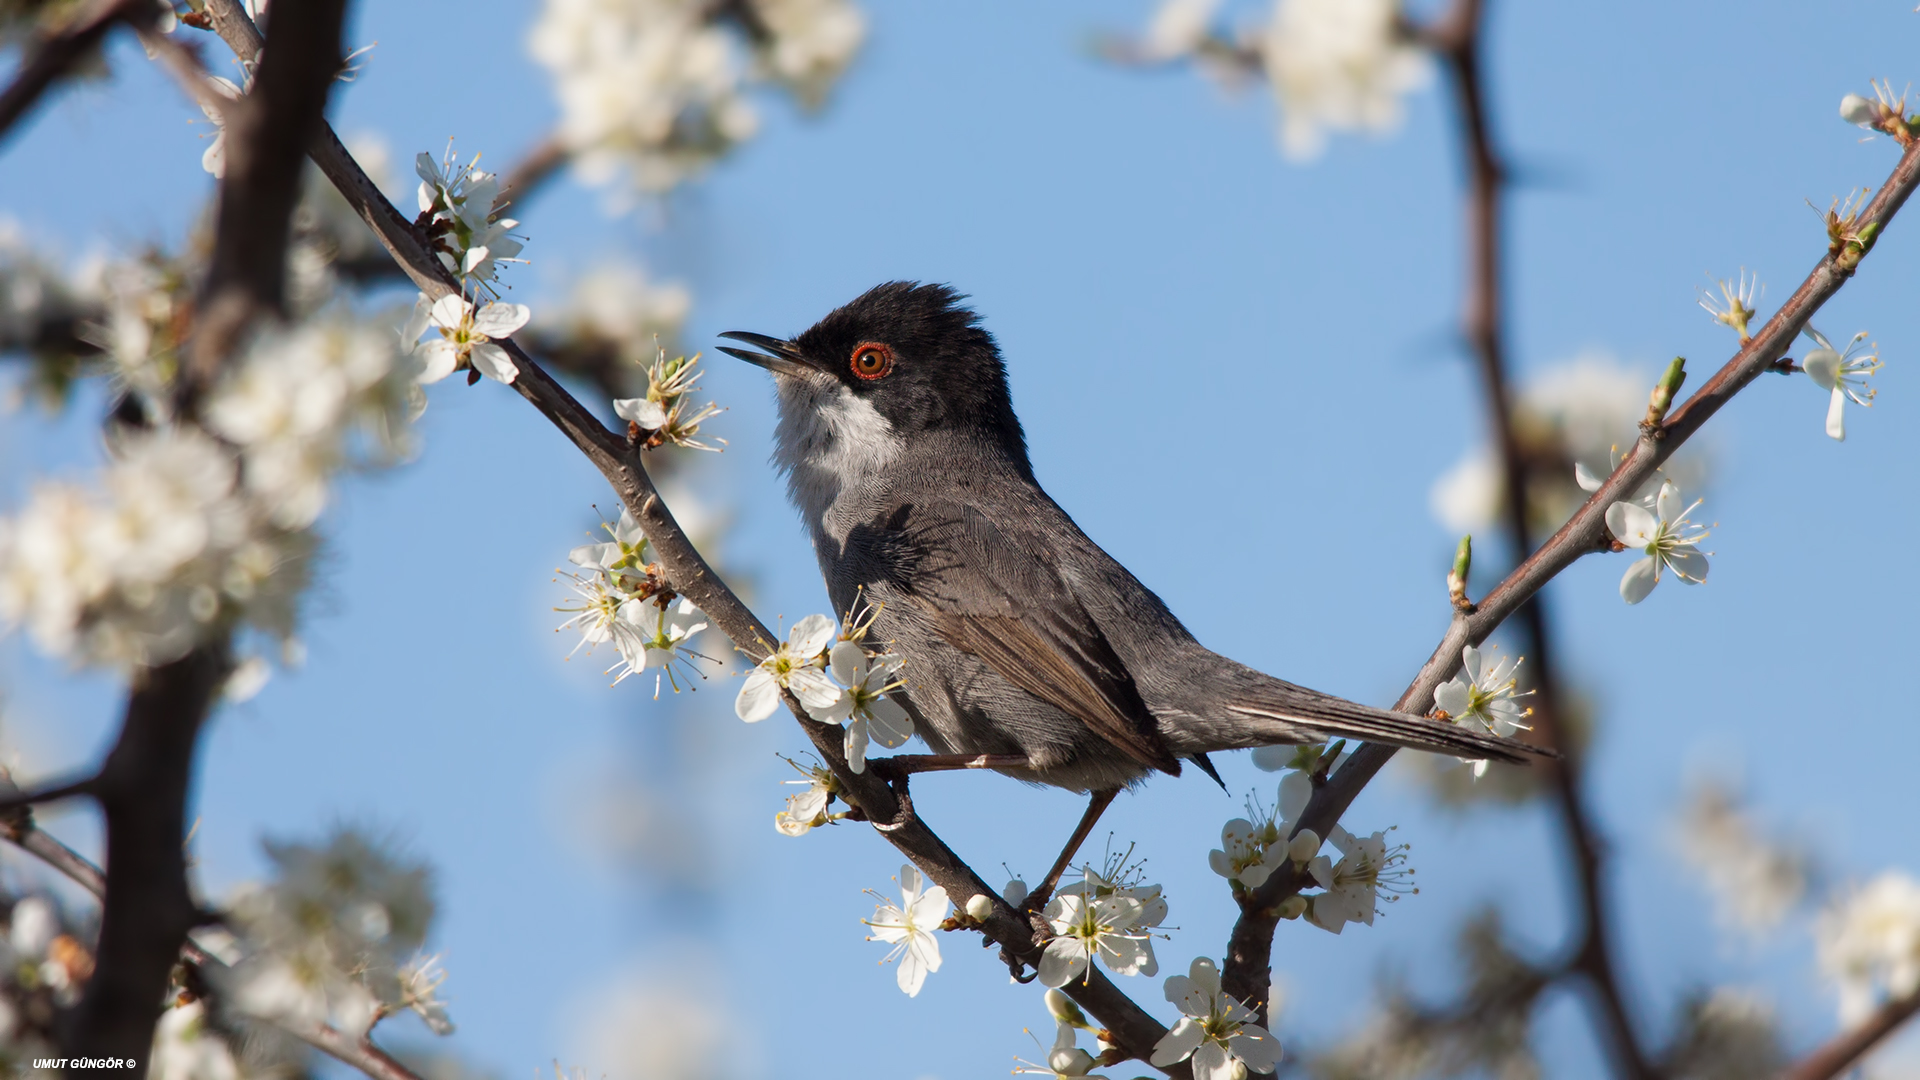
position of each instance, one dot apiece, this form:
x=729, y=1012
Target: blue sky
x=1237, y=373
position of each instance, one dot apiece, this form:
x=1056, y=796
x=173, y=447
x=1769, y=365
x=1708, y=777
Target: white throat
x=828, y=440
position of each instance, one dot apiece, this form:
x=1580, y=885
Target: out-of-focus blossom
x=335, y=938
x=214, y=158
x=1755, y=879
x=657, y=89
x=1338, y=65
x=1178, y=27
x=1569, y=419
x=1869, y=943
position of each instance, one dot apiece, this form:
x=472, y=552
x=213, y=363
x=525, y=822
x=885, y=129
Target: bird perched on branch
x=1028, y=649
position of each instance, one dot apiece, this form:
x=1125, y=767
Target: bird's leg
x=1096, y=806
x=898, y=765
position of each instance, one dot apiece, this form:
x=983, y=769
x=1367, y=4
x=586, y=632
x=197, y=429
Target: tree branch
x=61, y=50
x=143, y=786
x=1251, y=946
x=147, y=908
x=1848, y=1047
x=620, y=462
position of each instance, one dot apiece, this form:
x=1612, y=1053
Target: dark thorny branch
x=143, y=787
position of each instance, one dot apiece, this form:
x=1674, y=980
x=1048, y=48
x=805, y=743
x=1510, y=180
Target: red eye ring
x=872, y=360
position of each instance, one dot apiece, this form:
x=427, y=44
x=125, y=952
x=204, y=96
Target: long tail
x=1298, y=714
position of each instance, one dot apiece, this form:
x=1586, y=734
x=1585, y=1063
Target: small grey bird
x=1023, y=640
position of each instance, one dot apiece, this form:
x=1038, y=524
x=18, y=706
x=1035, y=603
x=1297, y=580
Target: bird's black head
x=912, y=352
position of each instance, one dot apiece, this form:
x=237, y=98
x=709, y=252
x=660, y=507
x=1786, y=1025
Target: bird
x=1027, y=648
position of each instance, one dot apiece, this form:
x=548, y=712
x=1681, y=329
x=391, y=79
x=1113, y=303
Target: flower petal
x=438, y=359
x=808, y=636
x=492, y=361
x=855, y=745
x=1295, y=789
x=759, y=696
x=849, y=664
x=1822, y=366
x=1064, y=961
x=1212, y=1062
x=888, y=723
x=1836, y=418
x=1179, y=1043
x=1453, y=698
x=498, y=320
x=1639, y=579
x=1585, y=478
x=643, y=411
x=1257, y=1047
x=1632, y=524
x=1668, y=504
x=1689, y=562
x=450, y=311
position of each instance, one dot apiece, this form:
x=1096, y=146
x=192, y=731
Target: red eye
x=872, y=360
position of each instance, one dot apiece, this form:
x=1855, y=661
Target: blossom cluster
x=1333, y=65
x=1351, y=889
x=666, y=414
x=622, y=598
x=1216, y=1031
x=1108, y=914
x=458, y=207
x=335, y=938
x=848, y=684
x=187, y=529
x=657, y=89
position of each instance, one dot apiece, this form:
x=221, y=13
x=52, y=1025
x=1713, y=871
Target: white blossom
x=657, y=89
x=459, y=202
x=667, y=409
x=1869, y=943
x=464, y=336
x=909, y=925
x=602, y=612
x=1668, y=539
x=1178, y=27
x=1484, y=694
x=864, y=707
x=1216, y=1030
x=1108, y=927
x=1249, y=853
x=1338, y=65
x=664, y=643
x=807, y=809
x=795, y=666
x=650, y=88
x=1843, y=375
x=1368, y=867
x=626, y=552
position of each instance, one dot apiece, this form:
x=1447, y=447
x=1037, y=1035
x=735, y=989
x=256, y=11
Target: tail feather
x=1320, y=716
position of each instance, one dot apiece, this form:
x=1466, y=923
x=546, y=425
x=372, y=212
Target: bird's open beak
x=784, y=358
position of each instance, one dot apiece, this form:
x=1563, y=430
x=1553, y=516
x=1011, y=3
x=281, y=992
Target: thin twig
x=620, y=463
x=1848, y=1047
x=61, y=50
x=12, y=798
x=1250, y=949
